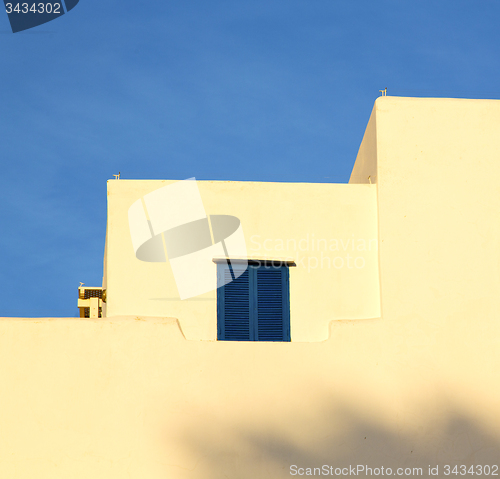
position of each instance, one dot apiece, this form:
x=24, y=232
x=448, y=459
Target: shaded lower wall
x=131, y=398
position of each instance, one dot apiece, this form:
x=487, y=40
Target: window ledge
x=255, y=260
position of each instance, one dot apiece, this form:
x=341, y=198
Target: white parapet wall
x=328, y=230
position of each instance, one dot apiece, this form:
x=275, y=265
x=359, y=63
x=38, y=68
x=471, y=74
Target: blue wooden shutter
x=273, y=311
x=233, y=306
x=255, y=306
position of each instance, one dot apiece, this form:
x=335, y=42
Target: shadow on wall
x=336, y=435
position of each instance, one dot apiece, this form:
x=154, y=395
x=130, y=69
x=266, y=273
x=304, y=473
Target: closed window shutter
x=271, y=304
x=234, y=307
x=254, y=306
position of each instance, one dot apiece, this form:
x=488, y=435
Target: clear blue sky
x=226, y=90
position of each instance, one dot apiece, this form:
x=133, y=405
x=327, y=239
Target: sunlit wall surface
x=412, y=389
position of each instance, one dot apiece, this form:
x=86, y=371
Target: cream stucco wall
x=417, y=387
x=131, y=397
x=329, y=230
x=365, y=166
